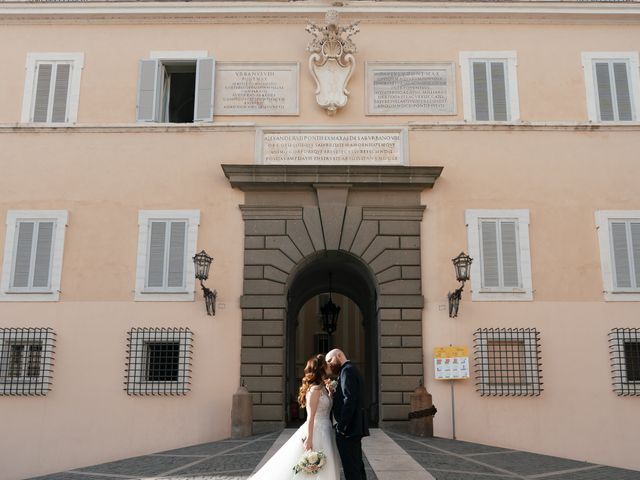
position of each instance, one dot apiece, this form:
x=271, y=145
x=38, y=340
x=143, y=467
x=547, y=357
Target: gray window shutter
x=603, y=83
x=42, y=264
x=635, y=248
x=155, y=267
x=177, y=243
x=43, y=87
x=620, y=255
x=499, y=91
x=22, y=264
x=147, y=105
x=509, y=243
x=480, y=91
x=205, y=77
x=489, y=249
x=60, y=93
x=623, y=96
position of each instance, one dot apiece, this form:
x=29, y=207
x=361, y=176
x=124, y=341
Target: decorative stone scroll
x=256, y=88
x=403, y=88
x=331, y=61
x=332, y=146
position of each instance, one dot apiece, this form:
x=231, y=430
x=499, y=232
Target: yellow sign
x=451, y=363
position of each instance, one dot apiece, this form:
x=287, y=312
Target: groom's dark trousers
x=351, y=421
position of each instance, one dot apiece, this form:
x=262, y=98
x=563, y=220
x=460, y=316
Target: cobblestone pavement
x=443, y=458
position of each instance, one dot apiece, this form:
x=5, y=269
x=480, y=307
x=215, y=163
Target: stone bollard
x=242, y=413
x=422, y=412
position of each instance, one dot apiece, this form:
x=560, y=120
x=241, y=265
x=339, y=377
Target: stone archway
x=293, y=213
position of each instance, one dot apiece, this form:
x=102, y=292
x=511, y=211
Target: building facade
x=134, y=134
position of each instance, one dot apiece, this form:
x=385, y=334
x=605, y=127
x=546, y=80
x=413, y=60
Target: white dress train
x=280, y=466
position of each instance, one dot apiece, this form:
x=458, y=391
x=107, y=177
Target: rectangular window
x=166, y=246
x=176, y=87
x=624, y=348
x=52, y=87
x=158, y=361
x=26, y=360
x=499, y=244
x=619, y=238
x=321, y=343
x=508, y=361
x=612, y=84
x=489, y=86
x=33, y=255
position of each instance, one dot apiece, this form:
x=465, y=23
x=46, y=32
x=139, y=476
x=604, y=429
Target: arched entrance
x=363, y=224
x=351, y=279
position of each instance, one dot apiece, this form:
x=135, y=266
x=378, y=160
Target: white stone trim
x=603, y=217
x=193, y=221
x=478, y=293
x=589, y=82
x=168, y=55
x=73, y=97
x=511, y=59
x=13, y=216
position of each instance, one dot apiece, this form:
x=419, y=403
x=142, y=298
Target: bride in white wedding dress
x=315, y=434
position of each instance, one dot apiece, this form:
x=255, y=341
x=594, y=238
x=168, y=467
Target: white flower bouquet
x=310, y=462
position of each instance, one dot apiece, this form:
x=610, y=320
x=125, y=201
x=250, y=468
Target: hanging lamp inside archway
x=330, y=312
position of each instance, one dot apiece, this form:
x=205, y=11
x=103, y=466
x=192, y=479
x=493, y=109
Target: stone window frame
x=479, y=293
x=76, y=60
x=510, y=58
x=632, y=59
x=145, y=217
x=52, y=294
x=603, y=219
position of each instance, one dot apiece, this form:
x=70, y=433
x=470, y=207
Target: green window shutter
x=43, y=88
x=205, y=76
x=155, y=265
x=499, y=91
x=480, y=91
x=635, y=249
x=489, y=253
x=620, y=255
x=177, y=242
x=60, y=93
x=148, y=86
x=509, y=244
x=42, y=263
x=623, y=95
x=22, y=262
x=603, y=85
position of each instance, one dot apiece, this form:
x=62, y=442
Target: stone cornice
x=299, y=12
x=251, y=177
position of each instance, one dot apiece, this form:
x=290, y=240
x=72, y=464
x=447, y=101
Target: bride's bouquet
x=310, y=462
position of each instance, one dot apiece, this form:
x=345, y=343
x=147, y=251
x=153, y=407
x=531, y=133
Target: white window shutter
x=499, y=91
x=155, y=265
x=623, y=96
x=205, y=78
x=603, y=83
x=148, y=86
x=489, y=250
x=509, y=244
x=177, y=242
x=22, y=262
x=635, y=249
x=61, y=93
x=42, y=264
x=43, y=87
x=620, y=255
x=480, y=91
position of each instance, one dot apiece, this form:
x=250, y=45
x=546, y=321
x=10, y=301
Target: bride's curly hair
x=314, y=374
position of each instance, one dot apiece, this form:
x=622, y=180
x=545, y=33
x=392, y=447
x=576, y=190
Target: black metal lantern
x=202, y=263
x=330, y=312
x=461, y=263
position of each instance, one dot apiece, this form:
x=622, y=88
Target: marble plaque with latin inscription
x=332, y=146
x=402, y=88
x=256, y=88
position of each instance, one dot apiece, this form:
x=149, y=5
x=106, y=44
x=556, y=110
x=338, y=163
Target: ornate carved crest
x=331, y=61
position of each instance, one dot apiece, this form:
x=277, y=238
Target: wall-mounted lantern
x=461, y=263
x=330, y=312
x=202, y=262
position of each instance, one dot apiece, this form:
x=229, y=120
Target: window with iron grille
x=26, y=360
x=507, y=361
x=321, y=343
x=159, y=361
x=624, y=348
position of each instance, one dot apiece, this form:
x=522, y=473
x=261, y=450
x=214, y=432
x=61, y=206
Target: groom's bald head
x=336, y=356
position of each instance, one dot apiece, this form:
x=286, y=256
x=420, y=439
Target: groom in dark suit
x=349, y=414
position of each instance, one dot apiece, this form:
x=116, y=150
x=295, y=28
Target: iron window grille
x=507, y=362
x=26, y=360
x=624, y=349
x=159, y=361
